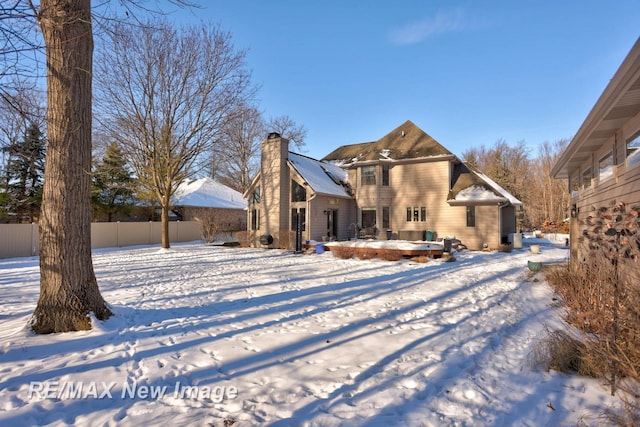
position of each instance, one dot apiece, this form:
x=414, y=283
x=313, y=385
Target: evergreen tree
x=25, y=174
x=112, y=190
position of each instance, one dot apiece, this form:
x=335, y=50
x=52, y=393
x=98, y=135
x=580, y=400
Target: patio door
x=332, y=223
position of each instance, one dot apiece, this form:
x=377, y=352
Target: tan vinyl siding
x=317, y=219
x=623, y=186
x=414, y=185
x=426, y=185
x=625, y=183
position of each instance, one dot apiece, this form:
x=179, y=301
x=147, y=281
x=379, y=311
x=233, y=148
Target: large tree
x=289, y=129
x=550, y=196
x=165, y=94
x=68, y=288
x=236, y=153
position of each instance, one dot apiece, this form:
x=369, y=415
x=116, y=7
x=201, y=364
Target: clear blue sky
x=467, y=72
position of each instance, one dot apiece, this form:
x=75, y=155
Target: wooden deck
x=373, y=252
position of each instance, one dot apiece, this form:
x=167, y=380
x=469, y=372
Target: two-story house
x=602, y=161
x=405, y=185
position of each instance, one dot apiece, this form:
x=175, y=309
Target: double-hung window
x=368, y=175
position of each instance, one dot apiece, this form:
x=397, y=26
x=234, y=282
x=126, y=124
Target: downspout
x=501, y=206
x=307, y=231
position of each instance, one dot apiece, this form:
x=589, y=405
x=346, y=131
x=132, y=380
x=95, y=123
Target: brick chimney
x=275, y=184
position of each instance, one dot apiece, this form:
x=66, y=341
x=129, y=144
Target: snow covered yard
x=207, y=335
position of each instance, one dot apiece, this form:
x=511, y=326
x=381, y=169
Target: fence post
x=34, y=238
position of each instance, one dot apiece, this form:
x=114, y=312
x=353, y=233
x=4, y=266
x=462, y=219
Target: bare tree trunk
x=68, y=287
x=164, y=220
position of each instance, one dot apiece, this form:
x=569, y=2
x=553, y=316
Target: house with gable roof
x=405, y=185
x=206, y=196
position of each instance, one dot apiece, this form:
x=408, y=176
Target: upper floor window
x=298, y=192
x=255, y=197
x=587, y=175
x=633, y=150
x=368, y=175
x=385, y=175
x=606, y=166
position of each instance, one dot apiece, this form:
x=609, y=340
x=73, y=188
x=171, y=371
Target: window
x=298, y=192
x=385, y=217
x=294, y=219
x=255, y=219
x=417, y=213
x=471, y=216
x=606, y=167
x=368, y=175
x=385, y=175
x=255, y=197
x=586, y=178
x=368, y=218
x=574, y=185
x=633, y=150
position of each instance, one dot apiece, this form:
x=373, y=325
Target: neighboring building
x=405, y=185
x=602, y=162
x=206, y=196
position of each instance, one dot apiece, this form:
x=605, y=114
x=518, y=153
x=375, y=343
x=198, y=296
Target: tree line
x=186, y=108
x=527, y=176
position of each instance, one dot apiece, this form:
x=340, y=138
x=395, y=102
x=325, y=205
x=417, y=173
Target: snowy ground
x=270, y=337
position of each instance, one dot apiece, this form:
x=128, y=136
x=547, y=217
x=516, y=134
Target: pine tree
x=112, y=189
x=25, y=174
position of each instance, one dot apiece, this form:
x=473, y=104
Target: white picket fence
x=18, y=240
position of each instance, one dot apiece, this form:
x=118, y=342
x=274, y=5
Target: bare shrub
x=603, y=296
x=244, y=238
x=390, y=254
x=505, y=247
x=365, y=253
x=342, y=252
x=216, y=225
x=560, y=351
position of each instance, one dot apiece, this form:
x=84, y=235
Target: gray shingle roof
x=407, y=141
